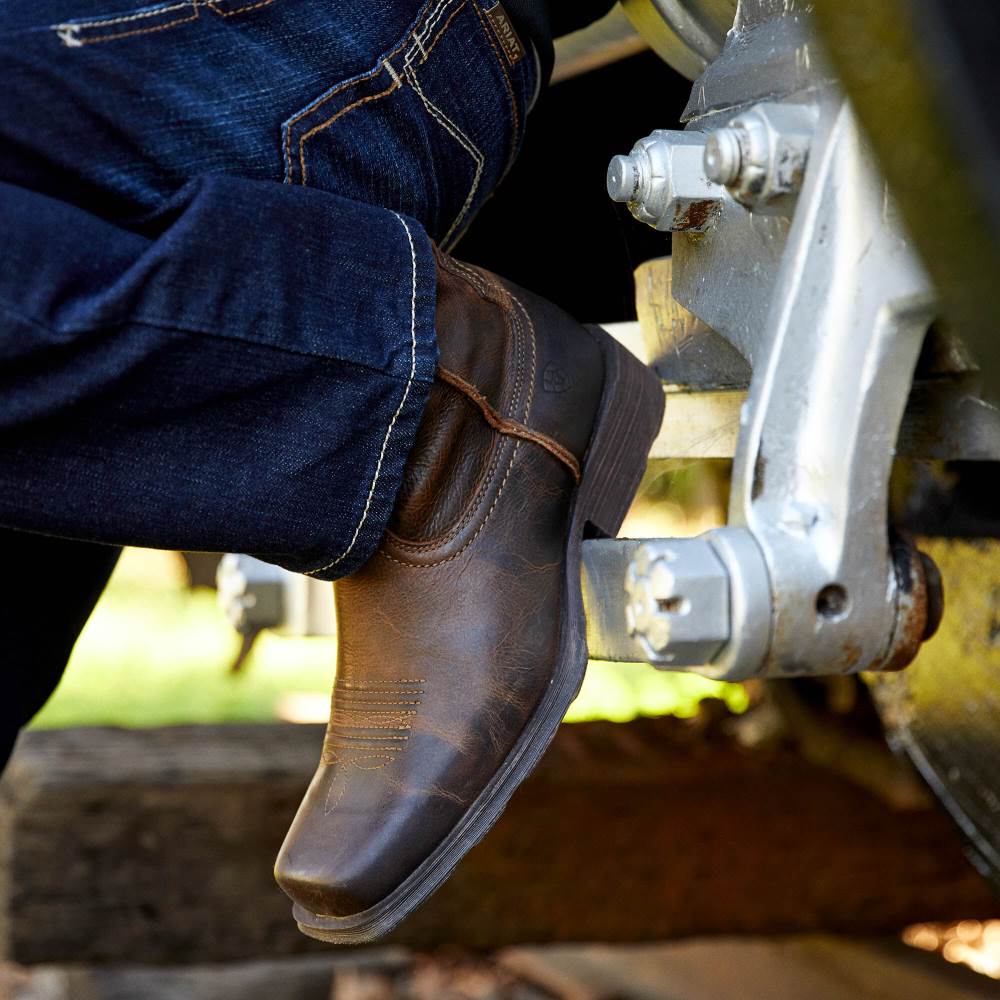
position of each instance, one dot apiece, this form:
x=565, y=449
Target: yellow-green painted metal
x=944, y=709
x=687, y=34
x=900, y=72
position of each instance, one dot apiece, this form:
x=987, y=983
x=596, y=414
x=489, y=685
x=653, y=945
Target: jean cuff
x=383, y=457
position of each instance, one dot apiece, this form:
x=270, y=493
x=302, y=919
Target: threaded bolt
x=623, y=179
x=723, y=157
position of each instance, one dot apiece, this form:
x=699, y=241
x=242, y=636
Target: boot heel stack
x=627, y=424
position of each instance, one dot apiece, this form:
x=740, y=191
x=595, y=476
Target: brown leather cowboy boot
x=461, y=643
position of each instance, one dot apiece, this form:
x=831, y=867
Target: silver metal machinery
x=791, y=259
x=786, y=245
x=806, y=306
x=256, y=595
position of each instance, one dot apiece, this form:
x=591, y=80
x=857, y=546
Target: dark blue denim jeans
x=217, y=286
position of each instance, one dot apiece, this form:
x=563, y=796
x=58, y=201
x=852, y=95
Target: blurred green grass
x=155, y=653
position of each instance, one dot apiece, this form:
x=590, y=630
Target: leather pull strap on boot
x=462, y=642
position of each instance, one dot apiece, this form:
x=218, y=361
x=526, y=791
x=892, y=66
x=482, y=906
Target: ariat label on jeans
x=511, y=44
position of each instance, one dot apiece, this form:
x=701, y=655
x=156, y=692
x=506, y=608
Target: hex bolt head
x=623, y=179
x=678, y=601
x=663, y=181
x=723, y=156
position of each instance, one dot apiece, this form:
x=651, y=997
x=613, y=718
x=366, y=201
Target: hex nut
x=664, y=183
x=762, y=153
x=678, y=601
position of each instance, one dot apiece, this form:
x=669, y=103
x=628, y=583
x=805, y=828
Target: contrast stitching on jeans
x=399, y=409
x=69, y=36
x=418, y=42
x=496, y=499
x=69, y=32
x=418, y=33
x=397, y=82
x=287, y=127
x=449, y=126
x=323, y=98
x=423, y=31
x=238, y=10
x=492, y=291
x=516, y=123
x=101, y=22
x=343, y=111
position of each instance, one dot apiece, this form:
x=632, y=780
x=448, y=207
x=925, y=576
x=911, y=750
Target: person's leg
x=233, y=362
x=245, y=364
x=230, y=383
x=197, y=360
x=41, y=615
x=151, y=433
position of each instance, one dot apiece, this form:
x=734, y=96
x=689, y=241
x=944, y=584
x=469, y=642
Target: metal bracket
x=806, y=271
x=848, y=314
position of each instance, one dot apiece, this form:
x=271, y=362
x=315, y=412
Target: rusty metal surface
x=944, y=709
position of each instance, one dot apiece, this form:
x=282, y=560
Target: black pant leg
x=50, y=588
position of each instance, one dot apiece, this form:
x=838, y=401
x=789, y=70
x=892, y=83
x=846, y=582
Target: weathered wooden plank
x=807, y=967
x=298, y=977
x=801, y=967
x=157, y=846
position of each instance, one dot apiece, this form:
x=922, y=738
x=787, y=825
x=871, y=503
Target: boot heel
x=628, y=421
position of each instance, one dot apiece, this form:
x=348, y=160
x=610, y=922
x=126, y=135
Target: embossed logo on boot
x=554, y=379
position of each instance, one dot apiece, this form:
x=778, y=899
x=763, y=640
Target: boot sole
x=628, y=420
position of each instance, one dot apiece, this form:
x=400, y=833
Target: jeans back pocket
x=430, y=129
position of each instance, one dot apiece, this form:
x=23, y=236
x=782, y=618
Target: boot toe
x=355, y=841
x=315, y=889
